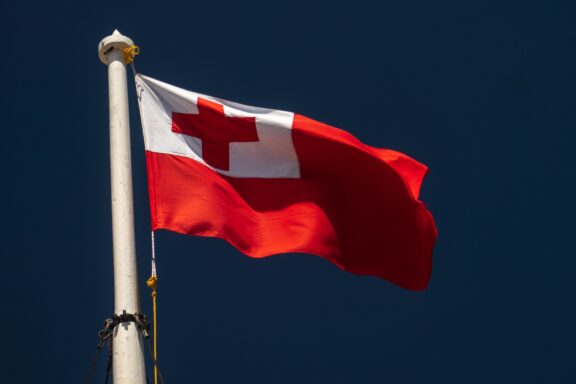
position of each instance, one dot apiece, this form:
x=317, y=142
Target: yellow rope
x=152, y=283
x=130, y=53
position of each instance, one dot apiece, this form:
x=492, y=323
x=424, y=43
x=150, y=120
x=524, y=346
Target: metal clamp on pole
x=110, y=324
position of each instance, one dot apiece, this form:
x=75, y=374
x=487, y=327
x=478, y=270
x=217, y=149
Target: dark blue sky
x=484, y=93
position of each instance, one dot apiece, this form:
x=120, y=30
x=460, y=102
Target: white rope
x=153, y=255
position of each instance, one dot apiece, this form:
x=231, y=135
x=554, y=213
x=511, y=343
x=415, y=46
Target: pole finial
x=113, y=46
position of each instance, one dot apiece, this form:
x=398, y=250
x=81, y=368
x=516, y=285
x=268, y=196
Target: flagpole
x=127, y=346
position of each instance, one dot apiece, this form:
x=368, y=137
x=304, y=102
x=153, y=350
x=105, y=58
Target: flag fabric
x=270, y=182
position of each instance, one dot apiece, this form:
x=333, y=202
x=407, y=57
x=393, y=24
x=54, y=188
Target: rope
x=152, y=283
x=153, y=254
x=103, y=335
x=88, y=378
x=130, y=53
x=109, y=365
x=156, y=366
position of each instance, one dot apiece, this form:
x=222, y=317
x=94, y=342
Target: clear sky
x=483, y=92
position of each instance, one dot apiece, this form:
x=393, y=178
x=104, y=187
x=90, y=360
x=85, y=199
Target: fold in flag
x=271, y=182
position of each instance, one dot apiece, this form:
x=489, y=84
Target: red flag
x=270, y=182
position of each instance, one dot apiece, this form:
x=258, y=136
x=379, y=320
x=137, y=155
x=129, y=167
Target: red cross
x=215, y=130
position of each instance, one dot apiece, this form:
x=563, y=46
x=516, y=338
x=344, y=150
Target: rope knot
x=152, y=283
x=130, y=53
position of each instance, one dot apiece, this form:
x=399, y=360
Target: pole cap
x=115, y=42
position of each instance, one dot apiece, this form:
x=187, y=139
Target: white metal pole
x=128, y=357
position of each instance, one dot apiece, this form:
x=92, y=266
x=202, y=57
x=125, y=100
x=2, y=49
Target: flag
x=270, y=182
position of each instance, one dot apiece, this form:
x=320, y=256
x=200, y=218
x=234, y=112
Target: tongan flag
x=270, y=182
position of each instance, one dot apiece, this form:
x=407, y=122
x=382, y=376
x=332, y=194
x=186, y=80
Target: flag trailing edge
x=271, y=182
